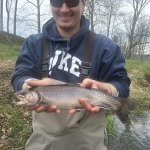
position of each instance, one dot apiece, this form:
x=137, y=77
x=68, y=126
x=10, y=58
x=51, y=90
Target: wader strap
x=45, y=58
x=86, y=63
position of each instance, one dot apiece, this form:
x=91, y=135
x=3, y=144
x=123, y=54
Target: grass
x=15, y=123
x=8, y=51
x=110, y=124
x=139, y=72
x=17, y=127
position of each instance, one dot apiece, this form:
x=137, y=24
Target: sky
x=27, y=11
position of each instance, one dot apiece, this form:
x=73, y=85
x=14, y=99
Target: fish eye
x=31, y=97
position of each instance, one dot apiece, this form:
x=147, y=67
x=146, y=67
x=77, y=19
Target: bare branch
x=41, y=2
x=32, y=3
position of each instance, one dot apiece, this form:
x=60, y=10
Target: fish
x=66, y=96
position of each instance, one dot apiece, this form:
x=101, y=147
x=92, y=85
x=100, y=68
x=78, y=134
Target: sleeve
x=113, y=70
x=27, y=64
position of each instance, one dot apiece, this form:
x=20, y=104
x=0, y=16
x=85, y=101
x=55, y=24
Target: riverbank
x=139, y=72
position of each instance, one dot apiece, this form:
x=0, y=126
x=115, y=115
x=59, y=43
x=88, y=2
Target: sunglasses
x=69, y=3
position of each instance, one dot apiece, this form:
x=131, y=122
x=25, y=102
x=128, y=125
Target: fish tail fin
x=123, y=113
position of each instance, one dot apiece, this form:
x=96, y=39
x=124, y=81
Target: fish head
x=26, y=98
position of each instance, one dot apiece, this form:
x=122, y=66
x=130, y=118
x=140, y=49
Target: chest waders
x=81, y=131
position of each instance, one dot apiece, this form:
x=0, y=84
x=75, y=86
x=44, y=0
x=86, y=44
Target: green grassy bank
x=8, y=51
x=139, y=72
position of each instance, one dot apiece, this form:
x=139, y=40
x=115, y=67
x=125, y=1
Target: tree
x=1, y=15
x=140, y=38
x=138, y=7
x=90, y=12
x=15, y=16
x=110, y=11
x=37, y=6
x=8, y=9
x=103, y=15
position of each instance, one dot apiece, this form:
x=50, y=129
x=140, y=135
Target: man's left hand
x=87, y=83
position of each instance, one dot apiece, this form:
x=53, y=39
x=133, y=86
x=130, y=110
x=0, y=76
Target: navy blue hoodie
x=66, y=55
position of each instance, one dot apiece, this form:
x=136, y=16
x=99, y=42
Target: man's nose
x=64, y=8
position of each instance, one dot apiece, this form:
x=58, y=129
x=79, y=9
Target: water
x=135, y=137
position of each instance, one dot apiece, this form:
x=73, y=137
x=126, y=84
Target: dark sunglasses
x=69, y=3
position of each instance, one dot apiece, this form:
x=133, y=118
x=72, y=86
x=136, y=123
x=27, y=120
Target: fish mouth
x=19, y=99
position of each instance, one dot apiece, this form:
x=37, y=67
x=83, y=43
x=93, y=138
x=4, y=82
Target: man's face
x=66, y=17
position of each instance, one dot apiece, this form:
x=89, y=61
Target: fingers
x=89, y=83
x=43, y=82
x=85, y=104
x=25, y=86
x=41, y=108
x=53, y=108
x=109, y=88
x=33, y=107
x=95, y=109
x=35, y=83
x=72, y=111
x=89, y=107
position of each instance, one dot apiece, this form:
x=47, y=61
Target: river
x=135, y=137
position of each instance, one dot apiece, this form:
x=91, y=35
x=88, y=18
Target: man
x=67, y=33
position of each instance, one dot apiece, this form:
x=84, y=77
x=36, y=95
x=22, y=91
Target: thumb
x=87, y=83
x=94, y=86
x=33, y=83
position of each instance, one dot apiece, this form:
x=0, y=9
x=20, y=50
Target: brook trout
x=66, y=96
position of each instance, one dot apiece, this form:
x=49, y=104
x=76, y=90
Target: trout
x=66, y=96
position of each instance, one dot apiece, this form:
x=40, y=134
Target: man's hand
x=43, y=82
x=89, y=83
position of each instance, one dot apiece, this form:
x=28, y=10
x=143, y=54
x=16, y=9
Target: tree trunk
x=8, y=8
x=15, y=16
x=92, y=14
x=1, y=15
x=38, y=16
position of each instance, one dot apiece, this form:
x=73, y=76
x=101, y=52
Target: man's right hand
x=35, y=83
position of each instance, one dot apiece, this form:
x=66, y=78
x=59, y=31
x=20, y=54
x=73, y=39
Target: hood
x=50, y=31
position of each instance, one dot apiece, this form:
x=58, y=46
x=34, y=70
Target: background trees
x=125, y=21
x=37, y=6
x=134, y=33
